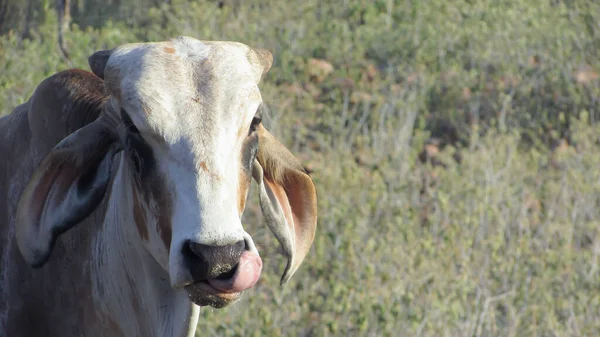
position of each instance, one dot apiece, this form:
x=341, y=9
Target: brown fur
x=204, y=168
x=265, y=58
x=275, y=159
x=241, y=132
x=160, y=192
x=47, y=296
x=58, y=295
x=295, y=192
x=139, y=216
x=244, y=185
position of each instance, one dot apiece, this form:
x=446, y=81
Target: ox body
x=122, y=191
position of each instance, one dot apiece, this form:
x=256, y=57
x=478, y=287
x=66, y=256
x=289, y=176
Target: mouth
x=203, y=294
x=228, y=288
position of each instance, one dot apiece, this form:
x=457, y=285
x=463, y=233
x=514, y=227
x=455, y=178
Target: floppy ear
x=288, y=199
x=69, y=183
x=98, y=62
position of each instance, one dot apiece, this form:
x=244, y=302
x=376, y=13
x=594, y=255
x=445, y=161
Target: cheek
x=249, y=150
x=139, y=216
x=244, y=185
x=159, y=201
x=164, y=214
x=141, y=155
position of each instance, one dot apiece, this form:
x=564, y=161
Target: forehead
x=172, y=72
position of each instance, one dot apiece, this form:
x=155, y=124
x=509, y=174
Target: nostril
x=209, y=262
x=193, y=252
x=187, y=251
x=227, y=275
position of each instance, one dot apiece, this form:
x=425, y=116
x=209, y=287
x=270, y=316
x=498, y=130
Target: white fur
x=120, y=254
x=163, y=106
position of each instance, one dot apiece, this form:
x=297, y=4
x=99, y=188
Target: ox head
x=182, y=127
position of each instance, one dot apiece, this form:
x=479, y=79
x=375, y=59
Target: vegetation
x=454, y=144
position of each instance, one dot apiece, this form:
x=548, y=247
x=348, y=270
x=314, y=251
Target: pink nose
x=245, y=277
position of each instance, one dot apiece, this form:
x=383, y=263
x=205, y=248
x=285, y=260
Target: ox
x=121, y=192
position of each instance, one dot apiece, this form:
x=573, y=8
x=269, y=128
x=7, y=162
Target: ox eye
x=255, y=122
x=129, y=126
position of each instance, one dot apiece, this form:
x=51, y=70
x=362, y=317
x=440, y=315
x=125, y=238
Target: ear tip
x=265, y=57
x=27, y=242
x=33, y=254
x=35, y=258
x=265, y=53
x=284, y=280
x=98, y=60
x=36, y=264
x=289, y=271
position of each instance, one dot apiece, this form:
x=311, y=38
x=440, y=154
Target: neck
x=131, y=289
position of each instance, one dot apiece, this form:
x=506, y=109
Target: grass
x=496, y=235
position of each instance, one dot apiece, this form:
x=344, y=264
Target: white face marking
x=193, y=103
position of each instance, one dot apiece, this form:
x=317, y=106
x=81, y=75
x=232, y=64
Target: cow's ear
x=98, y=60
x=66, y=187
x=265, y=58
x=288, y=199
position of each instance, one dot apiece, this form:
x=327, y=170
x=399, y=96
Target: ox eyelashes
x=139, y=151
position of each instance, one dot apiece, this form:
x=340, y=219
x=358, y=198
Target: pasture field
x=455, y=147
